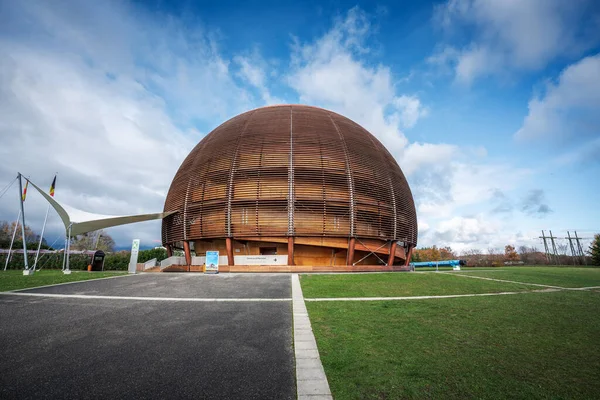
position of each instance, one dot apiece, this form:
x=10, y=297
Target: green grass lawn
x=399, y=284
x=554, y=276
x=12, y=280
x=523, y=346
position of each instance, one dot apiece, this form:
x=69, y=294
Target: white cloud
x=569, y=107
x=108, y=97
x=411, y=110
x=113, y=109
x=475, y=62
x=455, y=186
x=332, y=73
x=418, y=155
x=478, y=232
x=513, y=35
x=110, y=140
x=252, y=73
x=445, y=179
x=587, y=153
x=465, y=230
x=255, y=70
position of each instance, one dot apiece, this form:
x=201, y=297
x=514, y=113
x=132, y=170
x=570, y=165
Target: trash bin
x=97, y=261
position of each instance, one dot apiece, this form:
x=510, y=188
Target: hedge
x=117, y=261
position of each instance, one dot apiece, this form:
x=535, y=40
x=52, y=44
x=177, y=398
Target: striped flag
x=53, y=186
x=24, y=195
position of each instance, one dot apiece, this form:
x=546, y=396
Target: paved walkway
x=150, y=336
x=310, y=377
x=180, y=285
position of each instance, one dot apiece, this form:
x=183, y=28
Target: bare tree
x=97, y=240
x=562, y=248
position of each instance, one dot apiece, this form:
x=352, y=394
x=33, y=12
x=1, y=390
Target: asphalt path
x=103, y=348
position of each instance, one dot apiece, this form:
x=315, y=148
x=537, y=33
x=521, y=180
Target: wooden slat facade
x=290, y=171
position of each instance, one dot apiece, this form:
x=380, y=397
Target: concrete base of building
x=308, y=251
x=286, y=268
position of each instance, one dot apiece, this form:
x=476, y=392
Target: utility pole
x=580, y=248
x=573, y=254
x=551, y=257
x=556, y=258
x=543, y=237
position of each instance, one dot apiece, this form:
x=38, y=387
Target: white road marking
x=311, y=381
x=504, y=280
x=213, y=276
x=68, y=283
x=462, y=271
x=182, y=299
x=448, y=296
x=548, y=290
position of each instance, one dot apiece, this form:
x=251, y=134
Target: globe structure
x=299, y=183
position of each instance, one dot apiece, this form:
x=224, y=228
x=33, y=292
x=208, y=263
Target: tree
x=97, y=240
x=510, y=254
x=494, y=257
x=415, y=256
x=532, y=255
x=6, y=232
x=426, y=254
x=595, y=249
x=446, y=253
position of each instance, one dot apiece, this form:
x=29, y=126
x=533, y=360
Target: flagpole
x=12, y=240
x=26, y=272
x=37, y=254
x=67, y=270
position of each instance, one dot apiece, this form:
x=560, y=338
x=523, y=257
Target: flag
x=53, y=186
x=25, y=191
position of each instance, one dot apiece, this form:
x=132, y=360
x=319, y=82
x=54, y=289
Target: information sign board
x=135, y=248
x=212, y=262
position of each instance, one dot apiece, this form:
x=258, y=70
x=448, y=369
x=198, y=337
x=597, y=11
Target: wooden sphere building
x=295, y=181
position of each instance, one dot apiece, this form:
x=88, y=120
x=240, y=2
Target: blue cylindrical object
x=445, y=263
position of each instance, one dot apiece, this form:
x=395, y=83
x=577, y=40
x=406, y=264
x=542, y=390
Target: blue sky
x=490, y=107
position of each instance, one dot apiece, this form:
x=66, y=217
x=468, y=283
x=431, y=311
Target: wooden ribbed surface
x=290, y=170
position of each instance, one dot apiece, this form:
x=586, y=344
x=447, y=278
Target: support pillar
x=188, y=254
x=410, y=250
x=350, y=257
x=229, y=247
x=290, y=250
x=169, y=250
x=392, y=256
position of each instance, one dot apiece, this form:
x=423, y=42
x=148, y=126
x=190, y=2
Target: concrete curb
x=311, y=381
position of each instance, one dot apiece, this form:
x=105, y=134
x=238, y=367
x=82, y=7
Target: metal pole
x=572, y=247
x=554, y=251
x=65, y=253
x=545, y=247
x=37, y=254
x=23, y=223
x=12, y=240
x=67, y=270
x=581, y=253
x=97, y=240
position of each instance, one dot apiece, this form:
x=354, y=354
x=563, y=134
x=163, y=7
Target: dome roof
x=290, y=170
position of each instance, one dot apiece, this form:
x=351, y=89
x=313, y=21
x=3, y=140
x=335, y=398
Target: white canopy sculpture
x=78, y=222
